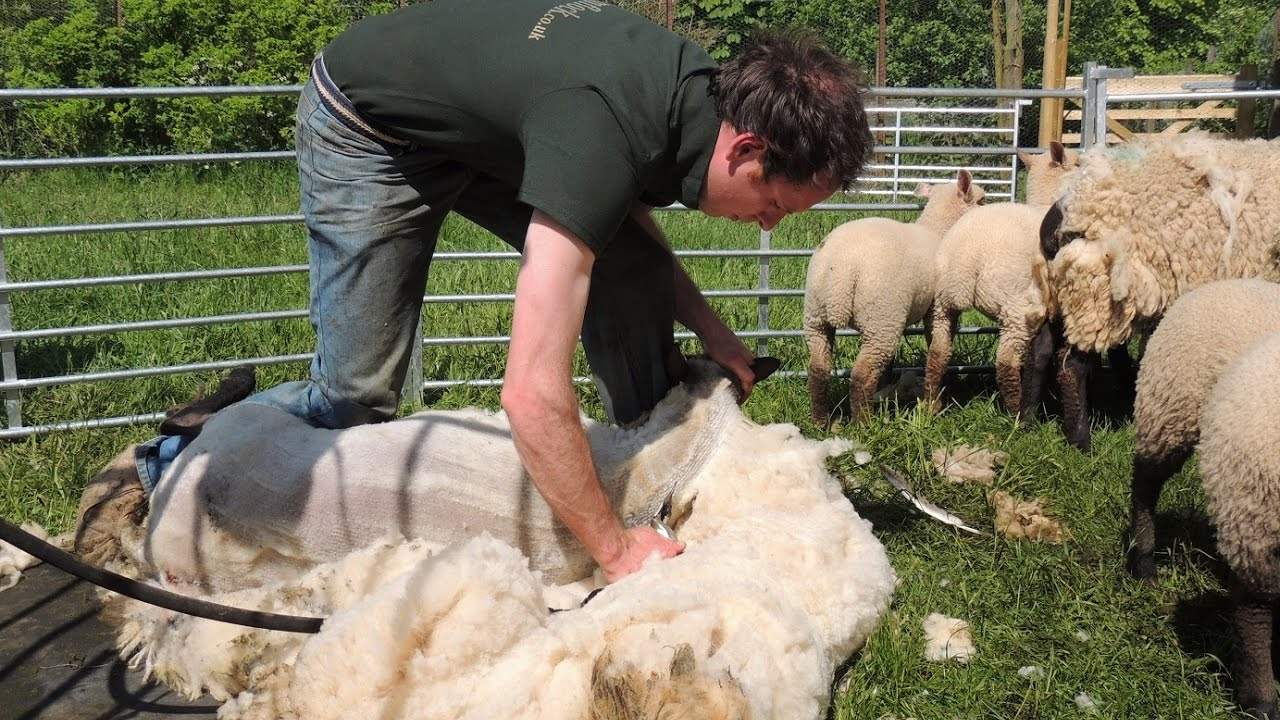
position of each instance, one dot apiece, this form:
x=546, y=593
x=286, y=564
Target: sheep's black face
x=1051, y=237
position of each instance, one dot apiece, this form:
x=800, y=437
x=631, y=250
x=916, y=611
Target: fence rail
x=906, y=130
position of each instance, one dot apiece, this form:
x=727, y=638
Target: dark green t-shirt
x=582, y=106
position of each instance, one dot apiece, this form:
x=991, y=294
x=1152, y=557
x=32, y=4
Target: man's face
x=736, y=188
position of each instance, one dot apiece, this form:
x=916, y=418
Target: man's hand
x=639, y=543
x=732, y=354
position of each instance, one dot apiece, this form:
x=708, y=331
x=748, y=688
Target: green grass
x=1149, y=650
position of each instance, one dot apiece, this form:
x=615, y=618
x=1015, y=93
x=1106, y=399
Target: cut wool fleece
x=779, y=583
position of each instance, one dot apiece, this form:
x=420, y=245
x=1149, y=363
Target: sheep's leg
x=1253, y=616
x=1073, y=374
x=1011, y=351
x=821, y=355
x=875, y=354
x=945, y=323
x=1034, y=369
x=1149, y=476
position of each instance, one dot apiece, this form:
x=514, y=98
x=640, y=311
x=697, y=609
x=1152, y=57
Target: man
x=556, y=127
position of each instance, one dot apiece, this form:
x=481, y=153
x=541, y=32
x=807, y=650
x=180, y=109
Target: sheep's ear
x=922, y=190
x=1024, y=157
x=965, y=180
x=1057, y=152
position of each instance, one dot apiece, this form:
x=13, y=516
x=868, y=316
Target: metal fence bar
x=8, y=354
x=190, y=158
x=764, y=252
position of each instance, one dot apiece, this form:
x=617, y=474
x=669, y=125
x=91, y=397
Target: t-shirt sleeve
x=578, y=165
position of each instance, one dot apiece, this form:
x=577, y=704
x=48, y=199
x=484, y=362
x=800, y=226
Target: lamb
x=876, y=275
x=1240, y=469
x=1200, y=336
x=779, y=583
x=1145, y=222
x=987, y=261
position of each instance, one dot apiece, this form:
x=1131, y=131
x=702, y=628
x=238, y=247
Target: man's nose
x=769, y=221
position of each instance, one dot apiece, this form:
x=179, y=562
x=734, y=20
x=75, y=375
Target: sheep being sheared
x=779, y=583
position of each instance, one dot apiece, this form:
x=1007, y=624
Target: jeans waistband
x=341, y=107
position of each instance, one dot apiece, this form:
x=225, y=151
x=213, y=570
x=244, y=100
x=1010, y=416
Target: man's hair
x=803, y=101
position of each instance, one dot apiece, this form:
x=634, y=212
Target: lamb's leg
x=1149, y=476
x=1034, y=369
x=1253, y=616
x=874, y=356
x=1011, y=351
x=821, y=353
x=945, y=323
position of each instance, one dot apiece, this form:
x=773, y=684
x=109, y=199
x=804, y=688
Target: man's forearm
x=554, y=449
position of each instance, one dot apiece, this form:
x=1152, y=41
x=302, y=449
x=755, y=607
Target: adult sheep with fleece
x=1240, y=469
x=1201, y=335
x=1145, y=222
x=987, y=260
x=876, y=275
x=779, y=583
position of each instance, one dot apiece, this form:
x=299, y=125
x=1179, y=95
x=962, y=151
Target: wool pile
x=780, y=582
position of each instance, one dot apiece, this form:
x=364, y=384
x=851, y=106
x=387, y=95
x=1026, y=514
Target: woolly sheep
x=986, y=261
x=1145, y=222
x=876, y=275
x=1240, y=468
x=779, y=583
x=1201, y=335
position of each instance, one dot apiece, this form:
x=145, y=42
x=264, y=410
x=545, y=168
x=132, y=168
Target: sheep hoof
x=190, y=418
x=1142, y=567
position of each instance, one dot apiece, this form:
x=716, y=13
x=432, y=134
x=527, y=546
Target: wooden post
x=119, y=13
x=669, y=7
x=1273, y=127
x=882, y=71
x=1246, y=109
x=1055, y=68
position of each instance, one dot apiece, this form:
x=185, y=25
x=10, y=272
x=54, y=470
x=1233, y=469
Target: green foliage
x=164, y=42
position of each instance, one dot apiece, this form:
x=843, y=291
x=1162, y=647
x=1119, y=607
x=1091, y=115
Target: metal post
x=8, y=358
x=412, y=391
x=897, y=142
x=762, y=303
x=1100, y=105
x=1013, y=159
x=1086, y=113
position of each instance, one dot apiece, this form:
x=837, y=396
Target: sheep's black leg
x=1253, y=615
x=1149, y=476
x=1034, y=369
x=1073, y=376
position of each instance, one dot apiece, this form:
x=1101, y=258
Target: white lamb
x=876, y=275
x=987, y=261
x=779, y=583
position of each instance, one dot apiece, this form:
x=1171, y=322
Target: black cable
x=150, y=594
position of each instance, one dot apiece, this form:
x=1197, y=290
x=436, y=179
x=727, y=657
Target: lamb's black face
x=1051, y=240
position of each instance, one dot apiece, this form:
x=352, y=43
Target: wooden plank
x=1163, y=114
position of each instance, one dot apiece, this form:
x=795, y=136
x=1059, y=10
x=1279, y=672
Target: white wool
x=947, y=638
x=780, y=582
x=1085, y=703
x=13, y=561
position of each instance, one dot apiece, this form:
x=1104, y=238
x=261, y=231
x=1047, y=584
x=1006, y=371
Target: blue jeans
x=373, y=211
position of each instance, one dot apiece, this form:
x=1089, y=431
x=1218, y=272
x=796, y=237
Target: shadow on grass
x=61, y=356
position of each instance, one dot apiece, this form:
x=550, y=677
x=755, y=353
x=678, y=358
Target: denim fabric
x=373, y=212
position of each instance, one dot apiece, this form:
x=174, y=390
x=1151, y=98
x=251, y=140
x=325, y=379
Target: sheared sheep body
x=1200, y=336
x=876, y=275
x=779, y=583
x=1240, y=468
x=988, y=260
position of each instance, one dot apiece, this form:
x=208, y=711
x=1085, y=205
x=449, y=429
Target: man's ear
x=746, y=146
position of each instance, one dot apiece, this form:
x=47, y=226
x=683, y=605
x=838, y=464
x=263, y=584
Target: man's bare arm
x=538, y=395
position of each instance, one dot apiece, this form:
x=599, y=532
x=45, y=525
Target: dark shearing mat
x=58, y=660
